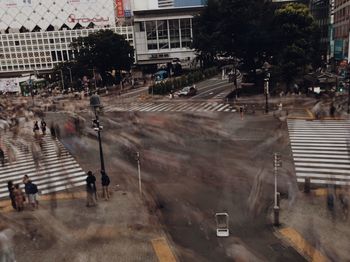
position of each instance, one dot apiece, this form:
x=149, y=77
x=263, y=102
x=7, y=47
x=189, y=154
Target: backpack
x=34, y=189
x=105, y=180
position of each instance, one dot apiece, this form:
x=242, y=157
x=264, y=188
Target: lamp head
x=95, y=101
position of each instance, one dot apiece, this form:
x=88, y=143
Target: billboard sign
x=120, y=8
x=9, y=85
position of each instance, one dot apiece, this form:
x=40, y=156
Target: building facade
x=341, y=27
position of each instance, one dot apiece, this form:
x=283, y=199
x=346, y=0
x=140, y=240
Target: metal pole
x=62, y=79
x=139, y=171
x=70, y=75
x=100, y=142
x=93, y=72
x=348, y=98
x=276, y=206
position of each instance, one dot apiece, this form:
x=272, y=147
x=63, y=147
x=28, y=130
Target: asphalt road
x=195, y=165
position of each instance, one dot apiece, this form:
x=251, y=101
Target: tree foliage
x=104, y=50
x=254, y=30
x=298, y=39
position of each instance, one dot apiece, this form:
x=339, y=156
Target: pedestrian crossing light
x=277, y=160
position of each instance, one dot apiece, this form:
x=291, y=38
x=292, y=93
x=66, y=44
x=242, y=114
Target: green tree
x=297, y=41
x=104, y=51
x=239, y=28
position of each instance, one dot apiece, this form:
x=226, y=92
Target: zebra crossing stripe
x=165, y=107
x=321, y=151
x=195, y=107
x=177, y=106
x=222, y=108
x=53, y=173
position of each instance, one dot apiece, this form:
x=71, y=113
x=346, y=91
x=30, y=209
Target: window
x=151, y=31
x=186, y=38
x=174, y=33
x=163, y=34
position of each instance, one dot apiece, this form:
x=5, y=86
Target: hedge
x=173, y=84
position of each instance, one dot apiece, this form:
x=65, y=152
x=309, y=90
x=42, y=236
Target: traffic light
x=277, y=160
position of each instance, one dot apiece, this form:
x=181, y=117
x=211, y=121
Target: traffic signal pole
x=98, y=128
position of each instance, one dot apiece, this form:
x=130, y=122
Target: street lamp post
x=62, y=79
x=96, y=105
x=139, y=171
x=70, y=75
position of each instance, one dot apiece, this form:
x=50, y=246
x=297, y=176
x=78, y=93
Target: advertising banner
x=9, y=85
x=120, y=8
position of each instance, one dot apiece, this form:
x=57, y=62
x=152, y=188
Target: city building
x=341, y=27
x=320, y=10
x=36, y=34
x=163, y=30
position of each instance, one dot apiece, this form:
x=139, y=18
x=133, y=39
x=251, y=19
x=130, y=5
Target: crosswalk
x=52, y=168
x=172, y=107
x=321, y=151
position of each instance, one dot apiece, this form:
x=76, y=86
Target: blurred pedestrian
x=105, y=184
x=43, y=126
x=11, y=188
x=7, y=253
x=52, y=130
x=332, y=110
x=241, y=111
x=2, y=157
x=344, y=200
x=91, y=189
x=36, y=128
x=19, y=198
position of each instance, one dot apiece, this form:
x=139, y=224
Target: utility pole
x=70, y=76
x=62, y=79
x=139, y=171
x=266, y=91
x=276, y=209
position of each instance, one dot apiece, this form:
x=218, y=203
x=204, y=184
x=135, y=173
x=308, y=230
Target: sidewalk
x=326, y=232
x=66, y=230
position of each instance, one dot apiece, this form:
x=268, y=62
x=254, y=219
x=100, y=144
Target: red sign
x=120, y=8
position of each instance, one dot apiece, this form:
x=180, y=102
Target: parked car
x=187, y=91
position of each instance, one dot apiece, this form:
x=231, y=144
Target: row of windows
x=165, y=34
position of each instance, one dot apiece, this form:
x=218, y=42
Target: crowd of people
x=19, y=198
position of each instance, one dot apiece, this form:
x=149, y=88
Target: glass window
x=174, y=33
x=186, y=32
x=163, y=34
x=151, y=30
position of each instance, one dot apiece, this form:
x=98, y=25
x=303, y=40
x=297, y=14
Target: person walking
x=31, y=190
x=36, y=128
x=11, y=188
x=19, y=198
x=91, y=193
x=105, y=184
x=2, y=157
x=43, y=126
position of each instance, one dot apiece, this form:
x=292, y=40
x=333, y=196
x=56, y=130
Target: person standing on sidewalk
x=11, y=188
x=2, y=157
x=91, y=193
x=19, y=198
x=31, y=190
x=105, y=183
